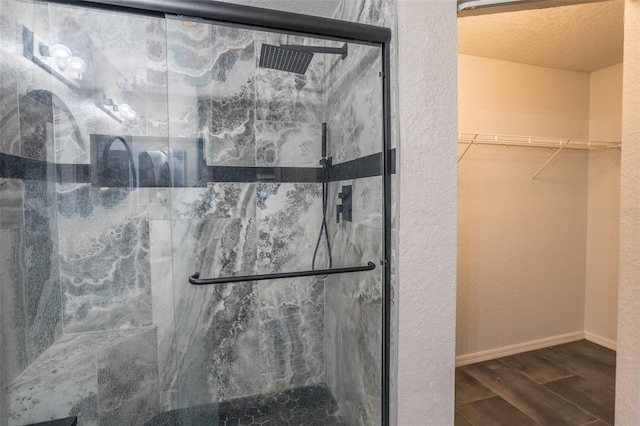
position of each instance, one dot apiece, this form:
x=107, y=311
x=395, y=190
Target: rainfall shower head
x=294, y=58
x=285, y=59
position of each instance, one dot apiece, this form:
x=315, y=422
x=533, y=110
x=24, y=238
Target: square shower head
x=285, y=59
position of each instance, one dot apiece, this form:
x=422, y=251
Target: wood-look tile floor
x=570, y=384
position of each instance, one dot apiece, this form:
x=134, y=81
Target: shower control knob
x=345, y=208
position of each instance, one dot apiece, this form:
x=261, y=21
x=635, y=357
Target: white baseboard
x=599, y=340
x=518, y=348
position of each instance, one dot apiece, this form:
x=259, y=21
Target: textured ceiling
x=581, y=37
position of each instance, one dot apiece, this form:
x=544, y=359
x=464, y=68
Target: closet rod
x=533, y=141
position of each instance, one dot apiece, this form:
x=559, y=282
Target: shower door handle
x=196, y=280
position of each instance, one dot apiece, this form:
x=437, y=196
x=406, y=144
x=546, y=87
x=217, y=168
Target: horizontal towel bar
x=196, y=280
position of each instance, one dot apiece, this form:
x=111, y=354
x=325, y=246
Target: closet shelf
x=532, y=141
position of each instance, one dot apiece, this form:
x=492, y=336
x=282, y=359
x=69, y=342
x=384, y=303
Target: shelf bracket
x=555, y=154
x=467, y=148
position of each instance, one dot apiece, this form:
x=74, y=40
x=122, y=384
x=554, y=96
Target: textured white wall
x=628, y=365
x=508, y=98
x=427, y=211
x=603, y=208
x=521, y=249
x=521, y=244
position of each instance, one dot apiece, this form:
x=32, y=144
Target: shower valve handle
x=345, y=208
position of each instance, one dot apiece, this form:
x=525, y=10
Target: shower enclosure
x=194, y=215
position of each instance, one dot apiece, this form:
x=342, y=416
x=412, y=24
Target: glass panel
x=354, y=302
x=288, y=351
x=139, y=150
x=83, y=331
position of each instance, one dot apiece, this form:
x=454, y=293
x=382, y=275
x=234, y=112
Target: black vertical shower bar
x=386, y=184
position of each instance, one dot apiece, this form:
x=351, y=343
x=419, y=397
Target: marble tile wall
x=291, y=311
x=94, y=376
x=216, y=326
x=30, y=313
x=11, y=203
x=74, y=267
x=353, y=100
x=354, y=303
x=12, y=306
x=42, y=274
x=247, y=116
x=128, y=383
x=30, y=292
x=353, y=306
x=104, y=259
x=249, y=337
x=9, y=112
x=113, y=293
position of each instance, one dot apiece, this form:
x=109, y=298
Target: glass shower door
x=139, y=150
x=261, y=196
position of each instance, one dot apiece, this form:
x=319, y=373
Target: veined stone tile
x=189, y=53
x=157, y=87
x=289, y=217
x=214, y=247
x=288, y=144
x=373, y=12
x=216, y=325
x=42, y=273
x=283, y=96
x=63, y=381
x=128, y=386
x=228, y=126
x=70, y=146
x=289, y=97
x=105, y=270
x=367, y=202
x=36, y=127
x=11, y=204
x=189, y=61
x=227, y=115
x=13, y=311
x=9, y=107
x=218, y=200
x=354, y=106
x=355, y=337
x=291, y=333
x=162, y=301
x=217, y=341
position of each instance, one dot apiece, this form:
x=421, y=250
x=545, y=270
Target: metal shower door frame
x=294, y=23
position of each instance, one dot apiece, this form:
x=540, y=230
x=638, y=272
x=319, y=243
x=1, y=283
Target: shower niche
x=147, y=162
x=181, y=151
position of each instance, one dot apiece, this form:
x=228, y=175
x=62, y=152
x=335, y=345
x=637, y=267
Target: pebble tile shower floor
x=309, y=405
